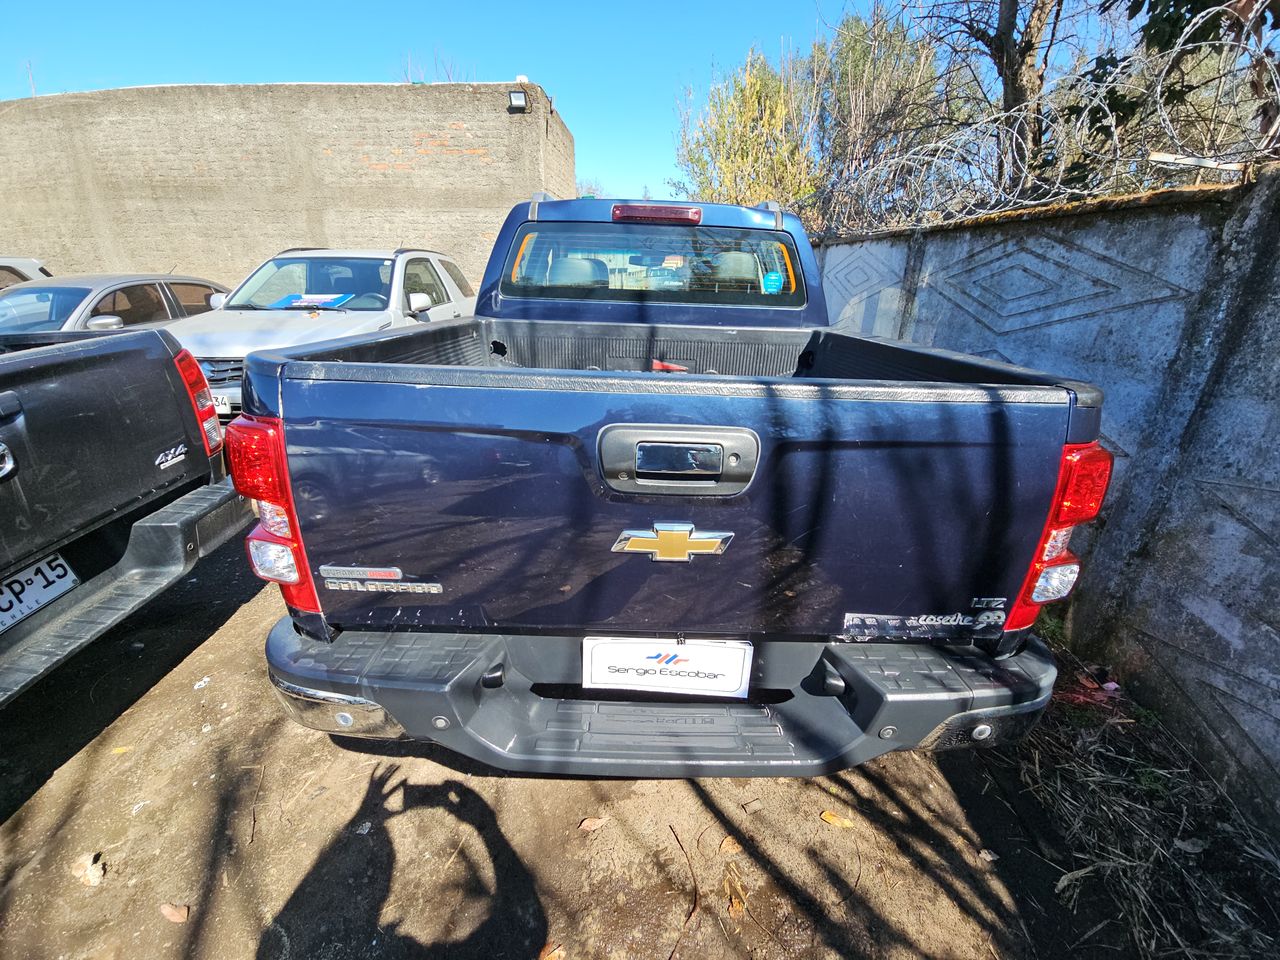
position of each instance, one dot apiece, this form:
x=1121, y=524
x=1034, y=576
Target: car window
x=9, y=276
x=28, y=309
x=140, y=303
x=316, y=283
x=657, y=263
x=455, y=273
x=421, y=277
x=194, y=297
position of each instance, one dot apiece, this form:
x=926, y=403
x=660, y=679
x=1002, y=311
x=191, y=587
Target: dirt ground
x=161, y=749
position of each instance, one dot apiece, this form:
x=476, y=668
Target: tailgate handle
x=10, y=405
x=678, y=459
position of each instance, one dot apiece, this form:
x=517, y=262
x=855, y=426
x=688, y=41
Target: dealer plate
x=717, y=668
x=26, y=591
x=222, y=404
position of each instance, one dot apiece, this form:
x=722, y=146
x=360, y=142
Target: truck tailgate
x=93, y=426
x=914, y=508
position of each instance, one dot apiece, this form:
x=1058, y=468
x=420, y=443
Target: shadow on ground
x=56, y=718
x=337, y=909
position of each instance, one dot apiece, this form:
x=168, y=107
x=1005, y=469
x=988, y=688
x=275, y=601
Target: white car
x=308, y=294
x=17, y=269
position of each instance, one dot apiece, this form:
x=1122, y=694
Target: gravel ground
x=161, y=752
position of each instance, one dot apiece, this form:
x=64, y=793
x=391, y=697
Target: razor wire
x=1201, y=112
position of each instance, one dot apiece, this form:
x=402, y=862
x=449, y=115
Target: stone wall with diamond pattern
x=1172, y=306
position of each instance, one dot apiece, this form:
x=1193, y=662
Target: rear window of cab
x=654, y=263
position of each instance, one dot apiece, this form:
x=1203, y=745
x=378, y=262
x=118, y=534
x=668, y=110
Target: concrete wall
x=214, y=179
x=1172, y=306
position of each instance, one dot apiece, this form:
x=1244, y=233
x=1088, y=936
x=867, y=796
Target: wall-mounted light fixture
x=517, y=101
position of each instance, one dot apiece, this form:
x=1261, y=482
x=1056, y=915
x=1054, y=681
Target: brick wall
x=212, y=180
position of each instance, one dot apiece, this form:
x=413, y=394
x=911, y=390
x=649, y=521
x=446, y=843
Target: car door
x=421, y=276
x=463, y=293
x=138, y=305
x=192, y=297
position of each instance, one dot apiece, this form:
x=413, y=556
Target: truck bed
x=751, y=353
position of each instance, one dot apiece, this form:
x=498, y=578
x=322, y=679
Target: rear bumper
x=163, y=547
x=478, y=696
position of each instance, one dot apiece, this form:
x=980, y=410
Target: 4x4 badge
x=672, y=542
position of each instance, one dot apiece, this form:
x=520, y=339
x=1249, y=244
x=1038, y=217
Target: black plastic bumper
x=163, y=547
x=482, y=697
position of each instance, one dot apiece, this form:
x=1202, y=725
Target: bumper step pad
x=163, y=547
x=440, y=687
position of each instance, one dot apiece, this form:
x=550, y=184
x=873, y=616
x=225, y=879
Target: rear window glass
x=654, y=263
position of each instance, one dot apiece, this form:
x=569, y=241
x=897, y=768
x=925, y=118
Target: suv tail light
x=256, y=459
x=1083, y=475
x=201, y=401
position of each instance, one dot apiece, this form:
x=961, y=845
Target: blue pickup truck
x=647, y=514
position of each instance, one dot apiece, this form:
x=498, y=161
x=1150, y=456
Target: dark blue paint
x=857, y=506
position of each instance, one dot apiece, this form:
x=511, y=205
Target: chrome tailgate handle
x=678, y=459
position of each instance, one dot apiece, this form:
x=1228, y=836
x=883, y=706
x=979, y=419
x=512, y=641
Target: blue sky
x=616, y=71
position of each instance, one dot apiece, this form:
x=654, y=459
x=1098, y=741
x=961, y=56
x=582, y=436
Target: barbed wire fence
x=1202, y=112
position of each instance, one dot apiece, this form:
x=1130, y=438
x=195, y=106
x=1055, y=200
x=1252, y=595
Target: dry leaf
x=175, y=912
x=729, y=846
x=592, y=823
x=737, y=908
x=551, y=953
x=119, y=750
x=833, y=818
x=1194, y=845
x=988, y=855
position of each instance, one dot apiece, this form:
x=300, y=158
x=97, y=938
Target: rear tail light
x=201, y=401
x=1083, y=475
x=256, y=459
x=656, y=213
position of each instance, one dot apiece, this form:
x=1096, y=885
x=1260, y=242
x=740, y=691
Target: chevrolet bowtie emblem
x=672, y=541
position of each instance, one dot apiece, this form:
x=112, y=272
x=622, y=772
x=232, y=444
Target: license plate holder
x=711, y=668
x=26, y=591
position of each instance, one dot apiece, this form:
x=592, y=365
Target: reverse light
x=1055, y=582
x=259, y=469
x=1084, y=473
x=201, y=401
x=273, y=561
x=656, y=213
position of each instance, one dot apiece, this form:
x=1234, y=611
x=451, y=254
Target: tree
x=748, y=144
x=791, y=133
x=589, y=187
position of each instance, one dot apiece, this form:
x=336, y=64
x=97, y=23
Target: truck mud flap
x=163, y=547
x=857, y=702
